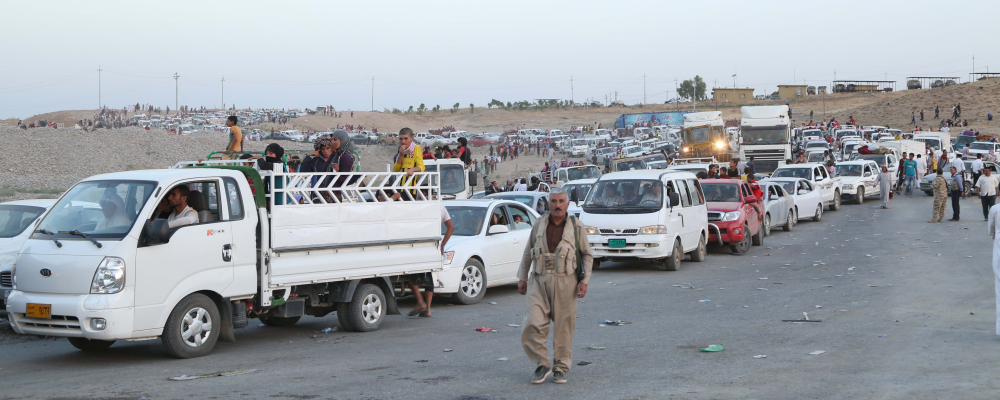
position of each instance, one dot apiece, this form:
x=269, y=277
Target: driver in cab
x=182, y=213
x=651, y=195
x=113, y=212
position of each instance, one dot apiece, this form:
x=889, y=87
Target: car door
x=697, y=216
x=813, y=197
x=521, y=221
x=674, y=220
x=196, y=257
x=689, y=226
x=868, y=179
x=497, y=248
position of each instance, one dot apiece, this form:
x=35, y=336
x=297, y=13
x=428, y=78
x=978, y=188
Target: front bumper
x=729, y=232
x=71, y=316
x=636, y=246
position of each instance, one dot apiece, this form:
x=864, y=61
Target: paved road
x=905, y=314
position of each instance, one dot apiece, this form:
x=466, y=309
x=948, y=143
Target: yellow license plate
x=39, y=311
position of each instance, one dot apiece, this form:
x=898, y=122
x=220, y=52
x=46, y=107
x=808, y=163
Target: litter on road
x=760, y=356
x=486, y=329
x=584, y=363
x=595, y=348
x=616, y=322
x=215, y=375
x=712, y=348
x=502, y=359
x=817, y=352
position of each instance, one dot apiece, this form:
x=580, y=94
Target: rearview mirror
x=497, y=229
x=473, y=177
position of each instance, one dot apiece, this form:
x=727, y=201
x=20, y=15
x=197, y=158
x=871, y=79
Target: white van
x=646, y=215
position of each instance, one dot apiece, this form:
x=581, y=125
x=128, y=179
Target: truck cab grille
x=5, y=279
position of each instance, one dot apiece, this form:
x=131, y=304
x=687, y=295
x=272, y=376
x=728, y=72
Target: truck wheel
x=790, y=221
x=860, y=197
x=192, y=328
x=596, y=266
x=928, y=192
x=698, y=255
x=742, y=246
x=836, y=201
x=345, y=322
x=472, y=286
x=819, y=212
x=767, y=224
x=367, y=309
x=90, y=344
x=279, y=322
x=758, y=239
x=673, y=262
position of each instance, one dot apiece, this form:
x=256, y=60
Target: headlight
x=448, y=256
x=110, y=276
x=13, y=274
x=719, y=144
x=591, y=230
x=686, y=149
x=731, y=216
x=653, y=230
x=848, y=186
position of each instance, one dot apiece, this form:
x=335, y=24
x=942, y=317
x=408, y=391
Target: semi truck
x=765, y=135
x=299, y=245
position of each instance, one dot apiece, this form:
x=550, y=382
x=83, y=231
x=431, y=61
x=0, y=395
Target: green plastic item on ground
x=712, y=348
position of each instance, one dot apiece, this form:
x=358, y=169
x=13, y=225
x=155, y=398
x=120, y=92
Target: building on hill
x=791, y=92
x=732, y=95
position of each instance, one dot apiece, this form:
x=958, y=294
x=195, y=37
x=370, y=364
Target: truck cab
x=828, y=186
x=458, y=182
x=578, y=147
x=569, y=174
x=649, y=215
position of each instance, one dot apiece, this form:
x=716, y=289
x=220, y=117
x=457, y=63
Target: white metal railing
x=296, y=189
x=695, y=160
x=185, y=164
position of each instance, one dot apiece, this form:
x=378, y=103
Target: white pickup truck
x=306, y=247
x=828, y=186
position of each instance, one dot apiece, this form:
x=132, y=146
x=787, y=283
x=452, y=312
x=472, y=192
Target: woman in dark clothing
x=463, y=151
x=272, y=156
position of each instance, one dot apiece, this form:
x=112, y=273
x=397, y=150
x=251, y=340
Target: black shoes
x=541, y=373
x=559, y=377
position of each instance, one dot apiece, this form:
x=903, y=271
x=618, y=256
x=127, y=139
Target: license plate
x=616, y=242
x=39, y=311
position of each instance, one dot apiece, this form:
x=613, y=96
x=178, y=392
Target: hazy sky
x=304, y=53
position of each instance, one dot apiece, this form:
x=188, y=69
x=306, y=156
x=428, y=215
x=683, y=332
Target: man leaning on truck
x=552, y=286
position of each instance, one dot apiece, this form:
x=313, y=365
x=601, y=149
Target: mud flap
x=226, y=332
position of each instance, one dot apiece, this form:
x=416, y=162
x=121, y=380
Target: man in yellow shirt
x=410, y=158
x=235, y=139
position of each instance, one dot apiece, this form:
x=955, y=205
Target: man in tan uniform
x=552, y=287
x=940, y=197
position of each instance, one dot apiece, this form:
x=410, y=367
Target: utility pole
x=644, y=87
x=573, y=103
x=175, y=89
x=223, y=92
x=677, y=95
x=715, y=84
x=973, y=63
x=99, y=87
x=373, y=93
x=734, y=88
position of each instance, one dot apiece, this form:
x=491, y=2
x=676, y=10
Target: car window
x=542, y=206
x=684, y=193
x=521, y=217
x=234, y=198
x=697, y=196
x=498, y=217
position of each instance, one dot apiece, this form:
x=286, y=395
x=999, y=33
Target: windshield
x=721, y=193
x=878, y=158
x=814, y=157
x=816, y=144
x=654, y=157
x=789, y=186
x=13, y=219
x=699, y=135
x=452, y=177
x=849, y=170
x=586, y=172
x=579, y=142
x=526, y=200
x=631, y=196
x=468, y=221
x=804, y=173
x=101, y=209
x=935, y=143
x=633, y=149
x=981, y=146
x=630, y=165
x=751, y=135
x=582, y=190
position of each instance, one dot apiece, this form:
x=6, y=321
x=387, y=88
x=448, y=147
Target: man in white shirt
x=921, y=168
x=977, y=167
x=182, y=214
x=987, y=186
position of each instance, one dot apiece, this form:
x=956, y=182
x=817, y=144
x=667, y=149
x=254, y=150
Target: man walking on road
x=884, y=180
x=987, y=185
x=549, y=276
x=910, y=170
x=957, y=189
x=940, y=186
x=977, y=167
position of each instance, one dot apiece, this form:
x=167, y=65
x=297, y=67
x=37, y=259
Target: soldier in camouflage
x=940, y=186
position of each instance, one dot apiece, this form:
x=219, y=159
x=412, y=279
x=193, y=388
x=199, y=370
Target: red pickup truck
x=736, y=212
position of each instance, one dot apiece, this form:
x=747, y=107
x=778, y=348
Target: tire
x=860, y=197
x=345, y=322
x=698, y=255
x=89, y=344
x=367, y=309
x=743, y=246
x=596, y=266
x=819, y=213
x=279, y=322
x=472, y=286
x=928, y=192
x=184, y=334
x=767, y=224
x=789, y=221
x=673, y=262
x=836, y=201
x=758, y=239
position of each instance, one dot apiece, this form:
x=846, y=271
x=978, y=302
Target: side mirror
x=157, y=231
x=868, y=173
x=497, y=229
x=473, y=177
x=773, y=197
x=675, y=199
x=574, y=197
x=803, y=191
x=751, y=198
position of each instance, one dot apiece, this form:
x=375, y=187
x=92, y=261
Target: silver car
x=780, y=207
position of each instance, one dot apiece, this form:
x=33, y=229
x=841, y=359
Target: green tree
x=410, y=110
x=693, y=87
x=454, y=108
x=472, y=108
x=420, y=110
x=437, y=108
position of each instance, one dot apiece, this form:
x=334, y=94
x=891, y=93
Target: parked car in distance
x=828, y=186
x=486, y=247
x=858, y=179
x=808, y=201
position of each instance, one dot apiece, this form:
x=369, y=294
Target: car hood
x=724, y=206
x=456, y=241
x=851, y=179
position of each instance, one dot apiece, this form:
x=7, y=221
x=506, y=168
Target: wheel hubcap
x=371, y=308
x=767, y=225
x=196, y=327
x=472, y=281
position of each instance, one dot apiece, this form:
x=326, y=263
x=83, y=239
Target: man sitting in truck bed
x=182, y=214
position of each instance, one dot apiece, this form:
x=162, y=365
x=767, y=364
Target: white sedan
x=18, y=222
x=486, y=248
x=808, y=200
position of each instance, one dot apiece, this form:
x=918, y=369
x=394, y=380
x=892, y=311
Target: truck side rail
x=316, y=188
